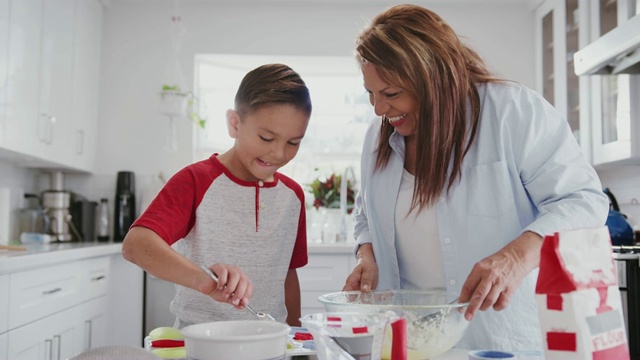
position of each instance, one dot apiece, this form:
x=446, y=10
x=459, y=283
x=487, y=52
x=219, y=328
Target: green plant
x=191, y=104
x=326, y=192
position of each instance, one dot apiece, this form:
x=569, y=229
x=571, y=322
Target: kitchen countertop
x=37, y=255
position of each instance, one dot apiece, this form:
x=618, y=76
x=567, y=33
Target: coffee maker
x=125, y=204
x=56, y=202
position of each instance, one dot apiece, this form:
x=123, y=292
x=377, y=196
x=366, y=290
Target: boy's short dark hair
x=272, y=84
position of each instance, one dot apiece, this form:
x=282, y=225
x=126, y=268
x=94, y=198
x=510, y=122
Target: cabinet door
x=23, y=76
x=86, y=76
x=53, y=337
x=560, y=32
x=92, y=324
x=3, y=346
x=616, y=137
x=4, y=65
x=325, y=273
x=55, y=80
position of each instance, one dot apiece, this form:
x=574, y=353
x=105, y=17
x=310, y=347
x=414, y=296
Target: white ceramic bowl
x=425, y=338
x=238, y=340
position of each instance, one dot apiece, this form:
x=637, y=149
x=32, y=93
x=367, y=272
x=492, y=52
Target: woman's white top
x=419, y=255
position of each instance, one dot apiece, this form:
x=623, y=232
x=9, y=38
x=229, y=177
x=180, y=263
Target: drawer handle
x=98, y=278
x=52, y=291
x=49, y=343
x=58, y=339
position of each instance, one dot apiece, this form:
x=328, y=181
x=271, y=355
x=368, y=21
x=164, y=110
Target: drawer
x=95, y=277
x=4, y=306
x=325, y=273
x=34, y=294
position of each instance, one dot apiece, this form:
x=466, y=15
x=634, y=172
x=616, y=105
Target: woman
x=462, y=178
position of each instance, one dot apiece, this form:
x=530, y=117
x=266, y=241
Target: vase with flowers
x=327, y=201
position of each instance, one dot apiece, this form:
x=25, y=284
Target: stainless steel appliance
x=628, y=264
x=56, y=202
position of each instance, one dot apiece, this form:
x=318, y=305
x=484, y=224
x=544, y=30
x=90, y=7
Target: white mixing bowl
x=238, y=340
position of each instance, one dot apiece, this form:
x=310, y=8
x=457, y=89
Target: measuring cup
x=352, y=336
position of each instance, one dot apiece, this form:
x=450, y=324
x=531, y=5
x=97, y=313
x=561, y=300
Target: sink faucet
x=344, y=211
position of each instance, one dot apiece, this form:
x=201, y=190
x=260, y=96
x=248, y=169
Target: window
x=341, y=110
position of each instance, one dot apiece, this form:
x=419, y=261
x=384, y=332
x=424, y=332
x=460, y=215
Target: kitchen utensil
x=425, y=338
x=238, y=340
x=33, y=219
x=260, y=315
x=426, y=320
x=346, y=335
x=12, y=247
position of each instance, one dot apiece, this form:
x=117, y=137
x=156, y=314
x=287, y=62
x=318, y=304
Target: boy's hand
x=233, y=286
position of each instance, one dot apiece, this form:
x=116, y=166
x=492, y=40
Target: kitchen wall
x=137, y=47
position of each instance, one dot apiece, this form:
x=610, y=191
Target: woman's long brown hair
x=414, y=49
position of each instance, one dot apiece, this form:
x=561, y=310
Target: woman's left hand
x=494, y=279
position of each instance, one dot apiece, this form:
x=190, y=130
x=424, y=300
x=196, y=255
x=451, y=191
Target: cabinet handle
x=89, y=327
x=80, y=142
x=53, y=123
x=57, y=339
x=98, y=278
x=52, y=291
x=49, y=343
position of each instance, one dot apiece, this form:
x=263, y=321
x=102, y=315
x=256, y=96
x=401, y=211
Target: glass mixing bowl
x=435, y=319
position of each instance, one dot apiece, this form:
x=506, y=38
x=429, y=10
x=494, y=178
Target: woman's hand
x=233, y=286
x=494, y=279
x=364, y=276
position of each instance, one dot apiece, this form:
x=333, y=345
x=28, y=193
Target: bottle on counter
x=102, y=220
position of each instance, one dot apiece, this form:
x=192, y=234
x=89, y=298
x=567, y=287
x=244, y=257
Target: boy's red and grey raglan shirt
x=210, y=216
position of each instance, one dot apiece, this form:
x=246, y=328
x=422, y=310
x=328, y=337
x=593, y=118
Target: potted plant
x=177, y=103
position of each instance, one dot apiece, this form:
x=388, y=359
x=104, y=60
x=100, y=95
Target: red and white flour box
x=579, y=302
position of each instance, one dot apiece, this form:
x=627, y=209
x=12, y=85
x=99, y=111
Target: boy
x=234, y=213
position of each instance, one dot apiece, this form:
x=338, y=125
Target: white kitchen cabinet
x=325, y=273
x=25, y=28
x=51, y=338
x=52, y=88
x=86, y=79
x=4, y=304
x=40, y=65
x=560, y=31
x=92, y=322
x=3, y=346
x=56, y=311
x=4, y=63
x=616, y=129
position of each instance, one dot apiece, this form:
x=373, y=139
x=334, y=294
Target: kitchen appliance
x=616, y=52
x=33, y=219
x=83, y=216
x=56, y=202
x=628, y=264
x=125, y=204
x=620, y=229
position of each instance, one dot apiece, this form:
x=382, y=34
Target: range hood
x=616, y=52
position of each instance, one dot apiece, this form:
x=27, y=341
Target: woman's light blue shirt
x=524, y=172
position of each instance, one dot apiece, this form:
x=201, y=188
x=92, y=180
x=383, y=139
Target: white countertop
x=37, y=255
